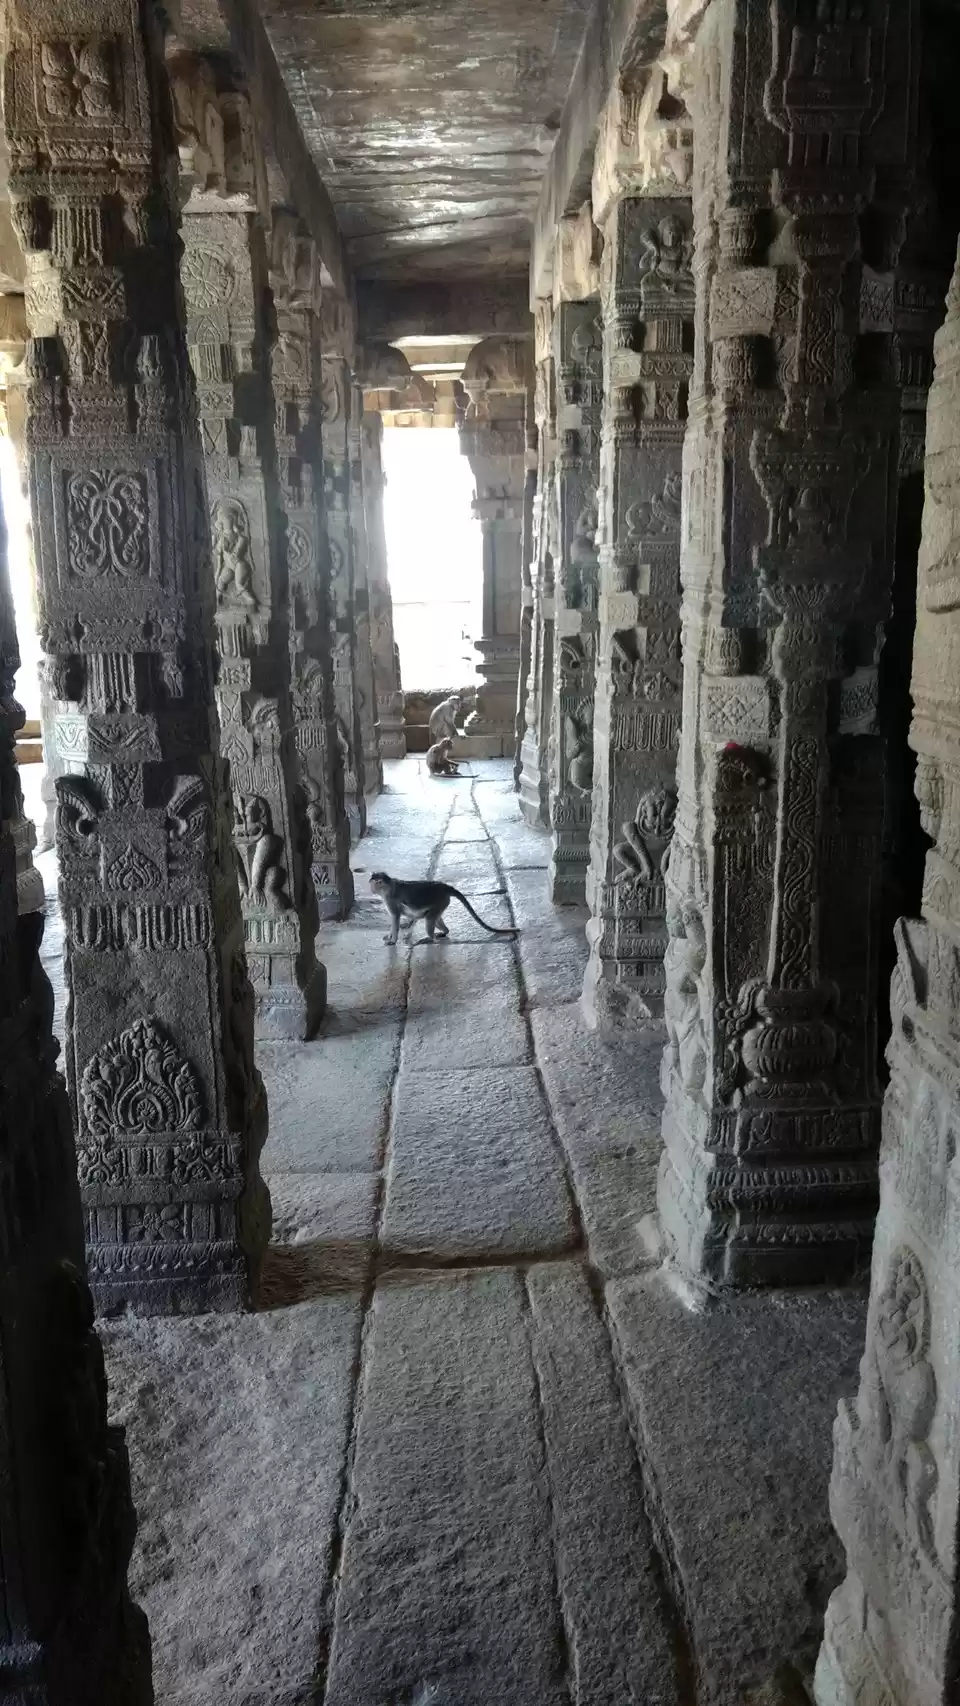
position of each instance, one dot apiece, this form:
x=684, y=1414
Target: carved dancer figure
x=262, y=876
x=231, y=553
x=439, y=761
x=443, y=718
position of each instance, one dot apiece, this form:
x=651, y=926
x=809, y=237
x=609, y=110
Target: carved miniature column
x=527, y=558
x=578, y=335
x=337, y=394
x=892, y=1628
x=13, y=343
x=295, y=363
x=70, y=1635
x=497, y=379
x=224, y=276
x=393, y=742
x=772, y=1101
x=647, y=291
x=366, y=693
x=169, y=1112
x=534, y=762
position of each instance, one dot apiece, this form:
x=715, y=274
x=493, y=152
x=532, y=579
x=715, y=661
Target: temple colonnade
x=687, y=481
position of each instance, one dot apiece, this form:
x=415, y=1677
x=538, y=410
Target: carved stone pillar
x=772, y=1102
x=892, y=1628
x=224, y=276
x=296, y=367
x=578, y=338
x=386, y=681
x=534, y=760
x=647, y=292
x=497, y=379
x=169, y=1112
x=366, y=693
x=70, y=1635
x=337, y=395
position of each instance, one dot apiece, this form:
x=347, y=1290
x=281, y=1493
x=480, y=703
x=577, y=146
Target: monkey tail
x=493, y=928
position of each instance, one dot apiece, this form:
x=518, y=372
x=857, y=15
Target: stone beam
x=470, y=311
x=236, y=25
x=622, y=34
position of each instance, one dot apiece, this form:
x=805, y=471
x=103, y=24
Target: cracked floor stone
x=471, y=1450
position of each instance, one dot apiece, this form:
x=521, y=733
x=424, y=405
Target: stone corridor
x=472, y=1448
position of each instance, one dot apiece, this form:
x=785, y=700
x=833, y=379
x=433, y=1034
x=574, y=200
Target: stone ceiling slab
x=430, y=121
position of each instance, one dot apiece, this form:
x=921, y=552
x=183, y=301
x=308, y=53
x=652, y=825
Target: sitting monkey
x=443, y=718
x=439, y=762
x=428, y=901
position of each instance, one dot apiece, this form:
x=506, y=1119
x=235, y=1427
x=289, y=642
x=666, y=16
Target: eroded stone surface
x=734, y=1410
x=238, y=1434
x=475, y=1169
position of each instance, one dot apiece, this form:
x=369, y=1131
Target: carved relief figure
x=653, y=822
x=684, y=960
x=233, y=566
x=665, y=255
x=899, y=1397
x=263, y=879
x=578, y=732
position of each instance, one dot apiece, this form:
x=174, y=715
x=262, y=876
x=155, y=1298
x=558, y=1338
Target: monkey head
x=379, y=882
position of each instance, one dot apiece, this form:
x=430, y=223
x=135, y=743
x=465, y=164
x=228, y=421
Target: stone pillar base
x=489, y=744
x=283, y=1012
x=567, y=873
x=611, y=1008
x=533, y=786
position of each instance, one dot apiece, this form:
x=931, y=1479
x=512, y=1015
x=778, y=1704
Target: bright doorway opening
x=434, y=557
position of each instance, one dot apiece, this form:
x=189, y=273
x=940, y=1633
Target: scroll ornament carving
x=107, y=524
x=139, y=1085
x=233, y=564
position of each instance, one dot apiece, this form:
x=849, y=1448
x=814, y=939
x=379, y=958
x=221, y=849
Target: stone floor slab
x=237, y=1428
x=553, y=943
x=471, y=867
x=328, y=1100
x=475, y=1169
x=323, y=1238
x=447, y=1592
x=619, y=1621
x=464, y=1007
x=605, y=1099
x=733, y=1411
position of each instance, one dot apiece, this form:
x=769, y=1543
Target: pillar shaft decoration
x=498, y=378
x=892, y=1628
x=224, y=276
x=527, y=559
x=647, y=295
x=366, y=692
x=538, y=695
x=578, y=338
x=772, y=1100
x=295, y=366
x=13, y=344
x=168, y=1110
x=386, y=674
x=339, y=513
x=70, y=1635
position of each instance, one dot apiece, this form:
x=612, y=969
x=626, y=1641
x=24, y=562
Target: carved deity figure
x=665, y=254
x=684, y=960
x=653, y=822
x=263, y=879
x=443, y=718
x=233, y=565
x=578, y=731
x=899, y=1396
